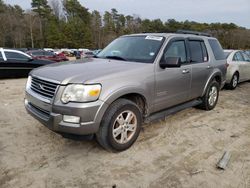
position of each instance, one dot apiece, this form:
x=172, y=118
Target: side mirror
x=170, y=62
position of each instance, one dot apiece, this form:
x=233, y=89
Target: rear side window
x=204, y=51
x=198, y=51
x=217, y=49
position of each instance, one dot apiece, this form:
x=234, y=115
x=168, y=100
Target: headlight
x=81, y=93
x=28, y=83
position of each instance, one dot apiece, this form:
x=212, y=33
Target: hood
x=82, y=71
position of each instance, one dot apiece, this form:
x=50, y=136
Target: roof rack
x=193, y=33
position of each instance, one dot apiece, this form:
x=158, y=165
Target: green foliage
x=42, y=27
x=41, y=7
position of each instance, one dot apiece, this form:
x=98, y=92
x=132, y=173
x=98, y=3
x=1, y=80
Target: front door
x=173, y=84
x=17, y=65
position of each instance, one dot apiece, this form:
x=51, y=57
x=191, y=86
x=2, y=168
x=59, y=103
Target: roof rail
x=193, y=33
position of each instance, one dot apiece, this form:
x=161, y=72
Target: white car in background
x=238, y=68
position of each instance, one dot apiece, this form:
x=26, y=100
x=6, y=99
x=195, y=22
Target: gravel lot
x=181, y=151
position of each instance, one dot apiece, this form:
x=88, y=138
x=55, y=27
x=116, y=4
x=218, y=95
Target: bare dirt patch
x=181, y=151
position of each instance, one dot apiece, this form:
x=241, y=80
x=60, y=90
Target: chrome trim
x=39, y=96
x=47, y=94
x=46, y=79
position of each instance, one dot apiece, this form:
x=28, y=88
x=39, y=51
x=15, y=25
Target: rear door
x=201, y=66
x=173, y=84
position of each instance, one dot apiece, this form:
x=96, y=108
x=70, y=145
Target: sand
x=181, y=151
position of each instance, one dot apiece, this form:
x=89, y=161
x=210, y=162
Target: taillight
x=227, y=65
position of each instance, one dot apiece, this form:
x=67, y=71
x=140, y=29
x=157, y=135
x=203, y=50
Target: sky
x=204, y=11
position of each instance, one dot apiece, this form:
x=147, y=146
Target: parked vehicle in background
x=88, y=54
x=21, y=49
x=15, y=64
x=247, y=52
x=49, y=49
x=42, y=54
x=238, y=68
x=83, y=50
x=135, y=79
x=77, y=54
x=97, y=51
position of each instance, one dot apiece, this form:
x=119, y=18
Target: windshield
x=133, y=48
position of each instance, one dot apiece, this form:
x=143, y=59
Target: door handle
x=185, y=71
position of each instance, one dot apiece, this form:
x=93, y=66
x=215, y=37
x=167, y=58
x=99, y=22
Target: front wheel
x=210, y=99
x=120, y=126
x=234, y=81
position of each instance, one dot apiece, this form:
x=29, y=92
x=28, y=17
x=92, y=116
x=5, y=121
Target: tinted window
x=38, y=53
x=248, y=53
x=246, y=57
x=15, y=55
x=238, y=57
x=176, y=49
x=204, y=52
x=49, y=53
x=217, y=49
x=196, y=51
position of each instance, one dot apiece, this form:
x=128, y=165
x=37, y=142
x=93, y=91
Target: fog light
x=71, y=119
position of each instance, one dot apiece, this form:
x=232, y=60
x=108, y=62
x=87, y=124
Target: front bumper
x=52, y=115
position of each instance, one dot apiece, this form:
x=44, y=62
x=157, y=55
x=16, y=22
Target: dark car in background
x=16, y=64
x=42, y=54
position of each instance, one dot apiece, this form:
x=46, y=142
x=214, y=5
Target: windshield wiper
x=115, y=57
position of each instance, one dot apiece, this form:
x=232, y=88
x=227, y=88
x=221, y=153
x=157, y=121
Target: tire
x=210, y=99
x=115, y=119
x=234, y=81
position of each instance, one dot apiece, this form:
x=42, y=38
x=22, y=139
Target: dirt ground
x=181, y=151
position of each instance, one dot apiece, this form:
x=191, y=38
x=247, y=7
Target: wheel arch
x=130, y=94
x=215, y=76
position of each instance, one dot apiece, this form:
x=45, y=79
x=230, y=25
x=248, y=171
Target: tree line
x=68, y=24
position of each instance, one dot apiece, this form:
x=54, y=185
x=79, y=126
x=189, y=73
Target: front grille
x=44, y=88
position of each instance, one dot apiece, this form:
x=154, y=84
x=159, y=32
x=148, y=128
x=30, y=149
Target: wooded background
x=68, y=24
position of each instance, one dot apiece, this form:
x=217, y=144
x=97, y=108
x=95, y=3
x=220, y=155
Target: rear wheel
x=120, y=126
x=210, y=99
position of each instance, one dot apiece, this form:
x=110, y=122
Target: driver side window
x=176, y=49
x=238, y=57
